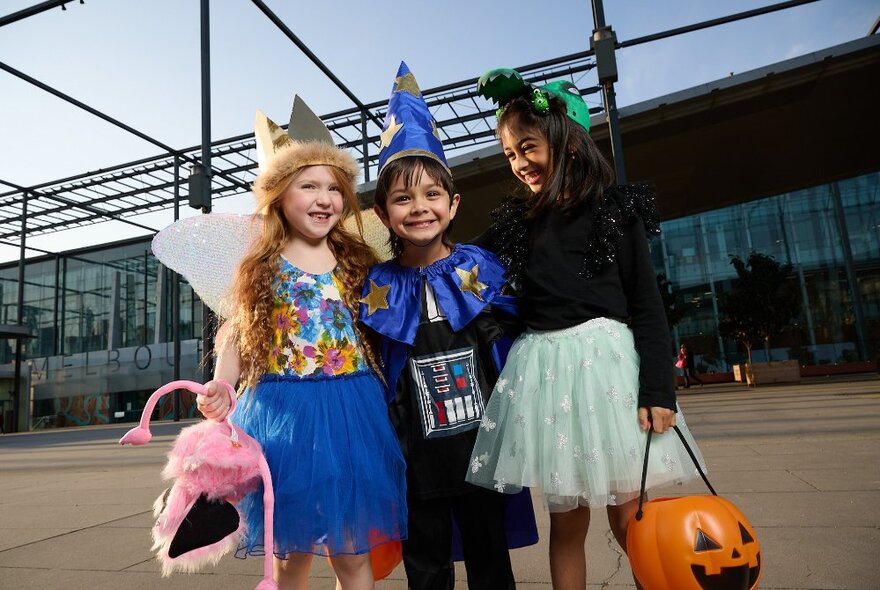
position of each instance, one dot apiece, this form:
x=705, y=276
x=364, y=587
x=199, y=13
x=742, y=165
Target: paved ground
x=801, y=461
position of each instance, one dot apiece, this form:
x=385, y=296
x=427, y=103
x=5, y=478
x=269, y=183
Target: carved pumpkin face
x=693, y=543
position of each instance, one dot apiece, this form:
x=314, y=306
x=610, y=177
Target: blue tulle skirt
x=337, y=469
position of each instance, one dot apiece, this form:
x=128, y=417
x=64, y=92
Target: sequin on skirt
x=563, y=417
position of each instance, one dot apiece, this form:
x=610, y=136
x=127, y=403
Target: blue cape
x=464, y=283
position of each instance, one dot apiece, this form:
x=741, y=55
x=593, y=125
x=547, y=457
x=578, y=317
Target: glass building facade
x=102, y=334
x=102, y=322
x=830, y=234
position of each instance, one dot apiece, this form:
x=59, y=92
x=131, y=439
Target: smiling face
x=418, y=209
x=312, y=204
x=528, y=154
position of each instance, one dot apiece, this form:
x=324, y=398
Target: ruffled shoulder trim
x=620, y=206
x=640, y=200
x=509, y=238
x=464, y=283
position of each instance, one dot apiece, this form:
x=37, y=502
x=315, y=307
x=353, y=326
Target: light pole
x=604, y=43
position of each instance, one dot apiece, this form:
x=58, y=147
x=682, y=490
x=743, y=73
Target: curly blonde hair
x=251, y=327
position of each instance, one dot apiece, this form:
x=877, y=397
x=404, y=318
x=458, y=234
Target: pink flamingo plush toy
x=213, y=465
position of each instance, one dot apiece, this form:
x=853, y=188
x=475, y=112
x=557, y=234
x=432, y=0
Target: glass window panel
x=802, y=228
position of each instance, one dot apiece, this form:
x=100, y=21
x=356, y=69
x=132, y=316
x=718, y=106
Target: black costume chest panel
x=441, y=396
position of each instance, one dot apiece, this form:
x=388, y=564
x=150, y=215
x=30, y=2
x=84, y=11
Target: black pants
x=690, y=373
x=427, y=553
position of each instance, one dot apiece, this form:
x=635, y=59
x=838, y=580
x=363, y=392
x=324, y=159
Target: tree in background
x=674, y=312
x=761, y=304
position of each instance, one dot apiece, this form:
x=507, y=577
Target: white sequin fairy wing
x=375, y=234
x=206, y=251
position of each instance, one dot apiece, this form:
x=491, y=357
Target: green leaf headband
x=503, y=85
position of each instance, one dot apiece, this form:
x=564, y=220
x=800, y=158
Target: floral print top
x=313, y=335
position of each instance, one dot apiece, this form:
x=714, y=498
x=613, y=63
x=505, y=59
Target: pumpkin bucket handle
x=645, y=468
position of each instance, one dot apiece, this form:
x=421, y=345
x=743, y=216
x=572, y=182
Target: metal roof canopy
x=148, y=184
x=756, y=134
x=156, y=183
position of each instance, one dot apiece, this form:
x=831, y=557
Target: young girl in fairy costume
x=311, y=398
x=590, y=375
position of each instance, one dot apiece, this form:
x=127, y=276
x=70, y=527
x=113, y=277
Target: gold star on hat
x=407, y=83
x=390, y=132
x=470, y=282
x=377, y=298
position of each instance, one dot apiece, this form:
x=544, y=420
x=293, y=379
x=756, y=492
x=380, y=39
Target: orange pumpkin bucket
x=384, y=556
x=692, y=542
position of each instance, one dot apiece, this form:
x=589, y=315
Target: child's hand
x=662, y=418
x=214, y=404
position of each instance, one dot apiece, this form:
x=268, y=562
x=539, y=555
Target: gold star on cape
x=434, y=130
x=389, y=133
x=407, y=83
x=377, y=298
x=470, y=282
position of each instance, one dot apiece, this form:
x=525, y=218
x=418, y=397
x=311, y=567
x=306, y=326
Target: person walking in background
x=686, y=364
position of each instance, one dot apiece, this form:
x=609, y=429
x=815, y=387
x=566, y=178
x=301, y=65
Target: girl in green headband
x=591, y=374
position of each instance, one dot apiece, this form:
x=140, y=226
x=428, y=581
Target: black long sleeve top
x=593, y=262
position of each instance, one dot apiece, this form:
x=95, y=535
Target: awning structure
x=787, y=126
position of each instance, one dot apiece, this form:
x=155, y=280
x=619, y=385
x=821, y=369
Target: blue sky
x=139, y=62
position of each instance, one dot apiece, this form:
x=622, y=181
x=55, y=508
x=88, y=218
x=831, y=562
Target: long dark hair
x=577, y=171
x=410, y=170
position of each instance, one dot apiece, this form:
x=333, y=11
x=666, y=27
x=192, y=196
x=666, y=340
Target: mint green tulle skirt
x=563, y=417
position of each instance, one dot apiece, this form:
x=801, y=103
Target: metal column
x=175, y=296
x=604, y=43
x=207, y=323
x=19, y=352
x=850, y=268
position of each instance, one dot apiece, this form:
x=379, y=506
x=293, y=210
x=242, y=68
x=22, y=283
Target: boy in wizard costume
x=444, y=325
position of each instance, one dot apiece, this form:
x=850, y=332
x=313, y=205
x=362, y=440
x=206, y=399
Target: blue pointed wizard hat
x=409, y=128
